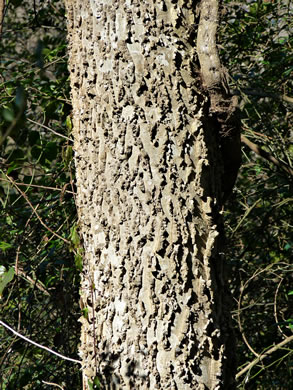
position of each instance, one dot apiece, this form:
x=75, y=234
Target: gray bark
x=148, y=171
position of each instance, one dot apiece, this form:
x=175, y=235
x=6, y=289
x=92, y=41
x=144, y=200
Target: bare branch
x=35, y=211
x=39, y=186
x=262, y=94
x=264, y=355
x=256, y=149
x=53, y=384
x=39, y=345
x=48, y=128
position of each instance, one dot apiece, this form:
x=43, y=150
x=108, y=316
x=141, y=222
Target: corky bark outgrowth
x=148, y=177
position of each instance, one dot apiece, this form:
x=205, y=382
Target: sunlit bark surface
x=147, y=174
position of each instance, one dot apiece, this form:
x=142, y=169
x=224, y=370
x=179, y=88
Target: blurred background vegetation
x=256, y=48
x=40, y=258
x=38, y=215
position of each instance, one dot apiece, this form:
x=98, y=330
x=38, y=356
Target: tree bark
x=148, y=175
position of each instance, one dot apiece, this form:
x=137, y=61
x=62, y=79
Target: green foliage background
x=256, y=48
x=39, y=271
x=42, y=299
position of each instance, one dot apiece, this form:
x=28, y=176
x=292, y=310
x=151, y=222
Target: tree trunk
x=148, y=175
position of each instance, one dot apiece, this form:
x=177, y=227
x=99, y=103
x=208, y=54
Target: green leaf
x=33, y=138
x=74, y=237
x=17, y=154
x=12, y=168
x=36, y=152
x=288, y=71
x=97, y=383
x=67, y=155
x=78, y=261
x=68, y=124
x=8, y=114
x=50, y=152
x=5, y=278
x=85, y=312
x=5, y=245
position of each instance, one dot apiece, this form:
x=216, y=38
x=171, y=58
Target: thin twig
x=19, y=246
x=248, y=210
x=240, y=323
x=53, y=384
x=35, y=211
x=275, y=307
x=39, y=345
x=48, y=128
x=262, y=94
x=20, y=272
x=287, y=99
x=2, y=6
x=256, y=149
x=264, y=355
x=55, y=61
x=243, y=288
x=72, y=183
x=38, y=186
